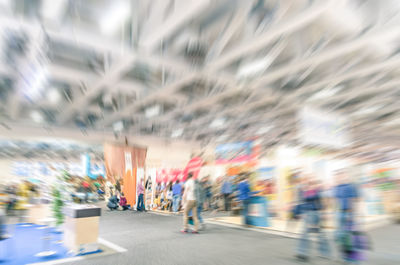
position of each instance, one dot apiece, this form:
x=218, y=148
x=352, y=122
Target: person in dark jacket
x=311, y=212
x=113, y=202
x=346, y=195
x=226, y=191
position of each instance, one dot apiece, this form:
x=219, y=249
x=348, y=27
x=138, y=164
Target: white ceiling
x=201, y=70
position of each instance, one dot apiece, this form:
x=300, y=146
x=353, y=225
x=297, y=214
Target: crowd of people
x=312, y=203
x=73, y=189
x=20, y=194
x=197, y=195
x=224, y=194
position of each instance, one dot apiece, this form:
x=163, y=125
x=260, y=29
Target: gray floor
x=155, y=239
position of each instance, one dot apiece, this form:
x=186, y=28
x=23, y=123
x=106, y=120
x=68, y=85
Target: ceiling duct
x=6, y=86
x=16, y=46
x=196, y=51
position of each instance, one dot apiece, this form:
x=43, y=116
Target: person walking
x=176, y=196
x=209, y=193
x=140, y=191
x=244, y=197
x=200, y=199
x=215, y=190
x=346, y=195
x=311, y=212
x=169, y=198
x=227, y=193
x=189, y=202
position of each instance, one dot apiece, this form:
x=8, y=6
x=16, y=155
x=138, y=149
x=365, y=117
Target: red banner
x=170, y=175
x=194, y=167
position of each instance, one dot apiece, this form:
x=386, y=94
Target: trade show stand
x=257, y=214
x=81, y=228
x=38, y=210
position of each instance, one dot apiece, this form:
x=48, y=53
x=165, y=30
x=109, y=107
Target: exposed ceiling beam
x=182, y=13
x=313, y=60
x=296, y=23
x=270, y=98
x=180, y=16
x=361, y=91
x=166, y=92
x=236, y=23
x=155, y=18
x=293, y=24
x=27, y=68
x=332, y=53
x=77, y=36
x=336, y=79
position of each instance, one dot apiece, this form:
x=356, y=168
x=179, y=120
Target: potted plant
x=58, y=204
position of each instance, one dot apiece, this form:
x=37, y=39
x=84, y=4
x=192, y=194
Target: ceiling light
x=115, y=16
x=36, y=116
x=345, y=17
x=288, y=152
x=222, y=138
x=152, y=111
x=258, y=141
x=53, y=96
x=34, y=81
x=263, y=130
x=254, y=68
x=393, y=122
x=53, y=10
x=177, y=133
x=326, y=93
x=368, y=110
x=118, y=126
x=217, y=123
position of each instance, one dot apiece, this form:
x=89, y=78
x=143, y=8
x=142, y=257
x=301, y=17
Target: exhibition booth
x=322, y=150
x=64, y=197
x=59, y=202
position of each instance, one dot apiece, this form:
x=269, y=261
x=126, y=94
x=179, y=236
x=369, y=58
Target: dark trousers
x=245, y=210
x=140, y=203
x=112, y=207
x=227, y=198
x=126, y=207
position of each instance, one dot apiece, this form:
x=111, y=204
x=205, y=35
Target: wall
x=161, y=152
x=171, y=155
x=6, y=168
x=5, y=171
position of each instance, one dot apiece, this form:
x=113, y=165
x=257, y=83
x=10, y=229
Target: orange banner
x=129, y=187
x=122, y=162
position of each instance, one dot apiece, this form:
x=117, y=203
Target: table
x=81, y=228
x=38, y=212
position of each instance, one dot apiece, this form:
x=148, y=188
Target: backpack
x=297, y=211
x=352, y=243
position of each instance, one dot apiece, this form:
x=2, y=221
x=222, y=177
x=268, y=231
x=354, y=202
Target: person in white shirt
x=189, y=202
x=169, y=198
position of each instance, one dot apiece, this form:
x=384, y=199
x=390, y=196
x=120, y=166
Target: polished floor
x=155, y=239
